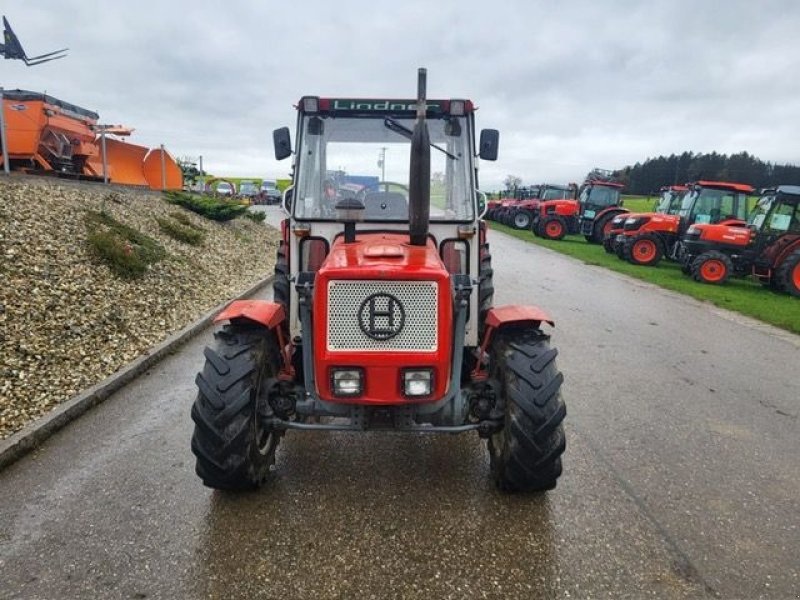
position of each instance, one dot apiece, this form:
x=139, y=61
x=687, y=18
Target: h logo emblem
x=381, y=316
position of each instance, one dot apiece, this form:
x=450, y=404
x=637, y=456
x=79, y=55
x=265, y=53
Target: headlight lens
x=347, y=382
x=693, y=231
x=418, y=382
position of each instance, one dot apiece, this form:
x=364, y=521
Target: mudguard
x=500, y=316
x=268, y=314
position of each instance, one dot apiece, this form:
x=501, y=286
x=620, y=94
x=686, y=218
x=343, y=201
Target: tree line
x=648, y=176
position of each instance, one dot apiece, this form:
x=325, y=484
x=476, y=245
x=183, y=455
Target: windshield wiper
x=393, y=125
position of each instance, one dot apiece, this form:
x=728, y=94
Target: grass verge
x=744, y=296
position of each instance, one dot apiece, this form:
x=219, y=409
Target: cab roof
x=396, y=106
x=727, y=185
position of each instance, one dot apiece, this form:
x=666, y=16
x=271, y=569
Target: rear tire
x=525, y=455
x=645, y=250
x=788, y=274
x=522, y=219
x=485, y=286
x=600, y=229
x=608, y=246
x=233, y=450
x=712, y=267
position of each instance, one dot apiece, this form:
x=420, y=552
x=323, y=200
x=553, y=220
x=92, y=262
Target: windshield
x=670, y=202
x=368, y=158
x=599, y=196
x=711, y=205
x=759, y=213
x=556, y=194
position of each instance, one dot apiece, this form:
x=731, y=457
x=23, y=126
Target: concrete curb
x=33, y=434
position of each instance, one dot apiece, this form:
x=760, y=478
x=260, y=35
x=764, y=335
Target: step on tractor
x=767, y=246
x=598, y=202
x=382, y=317
x=669, y=203
x=520, y=215
x=648, y=237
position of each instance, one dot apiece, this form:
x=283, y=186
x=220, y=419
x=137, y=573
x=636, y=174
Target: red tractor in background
x=648, y=237
x=767, y=246
x=498, y=209
x=520, y=215
x=382, y=318
x=599, y=201
x=669, y=203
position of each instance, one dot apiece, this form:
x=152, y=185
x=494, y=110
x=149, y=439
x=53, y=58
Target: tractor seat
x=385, y=205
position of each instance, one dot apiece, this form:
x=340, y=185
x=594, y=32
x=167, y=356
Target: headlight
x=693, y=231
x=347, y=382
x=418, y=382
x=630, y=221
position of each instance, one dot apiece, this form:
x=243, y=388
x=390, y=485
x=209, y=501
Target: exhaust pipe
x=419, y=184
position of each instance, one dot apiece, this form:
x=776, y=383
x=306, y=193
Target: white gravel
x=66, y=322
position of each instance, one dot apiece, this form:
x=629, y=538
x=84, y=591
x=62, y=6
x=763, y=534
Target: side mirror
x=489, y=143
x=283, y=143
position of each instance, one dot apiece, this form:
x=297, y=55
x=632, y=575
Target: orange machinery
x=48, y=135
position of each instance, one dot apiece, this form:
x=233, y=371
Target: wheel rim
x=713, y=270
x=796, y=276
x=607, y=228
x=521, y=220
x=553, y=229
x=644, y=250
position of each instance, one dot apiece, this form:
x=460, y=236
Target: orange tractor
x=767, y=246
x=648, y=237
x=46, y=135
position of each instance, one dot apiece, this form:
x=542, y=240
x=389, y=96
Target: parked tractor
x=520, y=215
x=382, y=317
x=768, y=246
x=591, y=214
x=500, y=209
x=648, y=237
x=669, y=203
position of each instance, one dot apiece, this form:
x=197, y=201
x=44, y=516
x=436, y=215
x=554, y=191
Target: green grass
x=127, y=252
x=182, y=233
x=744, y=296
x=206, y=206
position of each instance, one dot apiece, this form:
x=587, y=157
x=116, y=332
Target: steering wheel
x=362, y=193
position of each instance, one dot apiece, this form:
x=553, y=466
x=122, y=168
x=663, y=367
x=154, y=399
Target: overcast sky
x=570, y=85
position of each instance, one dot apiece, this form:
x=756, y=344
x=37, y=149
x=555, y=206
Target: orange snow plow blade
x=173, y=179
x=124, y=163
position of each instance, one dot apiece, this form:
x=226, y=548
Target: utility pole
x=3, y=132
x=382, y=163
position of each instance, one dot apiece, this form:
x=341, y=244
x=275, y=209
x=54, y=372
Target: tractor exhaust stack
x=419, y=185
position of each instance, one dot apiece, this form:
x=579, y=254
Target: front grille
x=351, y=312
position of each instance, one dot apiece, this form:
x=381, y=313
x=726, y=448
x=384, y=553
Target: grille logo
x=381, y=316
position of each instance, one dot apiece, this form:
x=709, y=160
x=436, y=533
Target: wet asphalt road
x=681, y=478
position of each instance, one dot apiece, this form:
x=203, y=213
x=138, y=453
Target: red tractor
x=598, y=203
x=500, y=209
x=520, y=215
x=668, y=204
x=768, y=246
x=382, y=316
x=648, y=237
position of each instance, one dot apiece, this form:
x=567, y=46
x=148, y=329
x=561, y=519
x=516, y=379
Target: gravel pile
x=66, y=322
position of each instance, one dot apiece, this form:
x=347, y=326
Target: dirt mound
x=66, y=321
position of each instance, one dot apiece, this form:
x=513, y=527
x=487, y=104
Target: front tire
x=553, y=228
x=233, y=449
x=712, y=267
x=525, y=454
x=645, y=250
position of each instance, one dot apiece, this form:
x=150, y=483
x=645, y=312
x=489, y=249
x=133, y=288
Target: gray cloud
x=571, y=85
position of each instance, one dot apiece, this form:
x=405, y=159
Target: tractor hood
x=724, y=234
